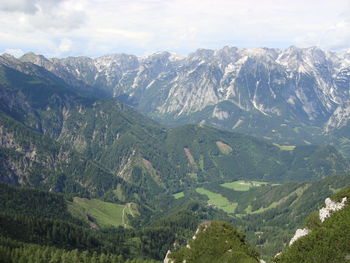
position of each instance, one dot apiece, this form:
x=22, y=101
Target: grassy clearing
x=104, y=214
x=178, y=195
x=218, y=201
x=285, y=147
x=243, y=185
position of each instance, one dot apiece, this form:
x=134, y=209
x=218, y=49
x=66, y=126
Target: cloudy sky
x=95, y=27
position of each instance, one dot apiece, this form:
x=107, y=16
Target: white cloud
x=143, y=26
x=45, y=15
x=120, y=34
x=335, y=37
x=18, y=6
x=64, y=20
x=14, y=52
x=27, y=6
x=65, y=45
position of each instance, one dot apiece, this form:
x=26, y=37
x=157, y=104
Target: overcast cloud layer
x=96, y=27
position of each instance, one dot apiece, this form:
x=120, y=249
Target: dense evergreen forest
x=35, y=220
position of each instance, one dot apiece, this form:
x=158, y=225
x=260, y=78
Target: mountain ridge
x=302, y=93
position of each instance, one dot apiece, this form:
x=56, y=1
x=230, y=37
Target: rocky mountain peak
x=33, y=58
x=303, y=85
x=202, y=55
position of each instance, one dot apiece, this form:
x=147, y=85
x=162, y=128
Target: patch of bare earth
x=223, y=147
x=190, y=157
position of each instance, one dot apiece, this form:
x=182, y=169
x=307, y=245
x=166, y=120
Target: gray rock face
x=304, y=85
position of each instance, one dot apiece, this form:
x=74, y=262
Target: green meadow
x=243, y=185
x=104, y=214
x=218, y=200
x=178, y=195
x=285, y=147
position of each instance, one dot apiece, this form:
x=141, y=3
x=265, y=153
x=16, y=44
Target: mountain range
x=291, y=96
x=53, y=125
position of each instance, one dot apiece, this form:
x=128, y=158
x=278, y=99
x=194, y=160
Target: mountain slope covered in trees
x=118, y=141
